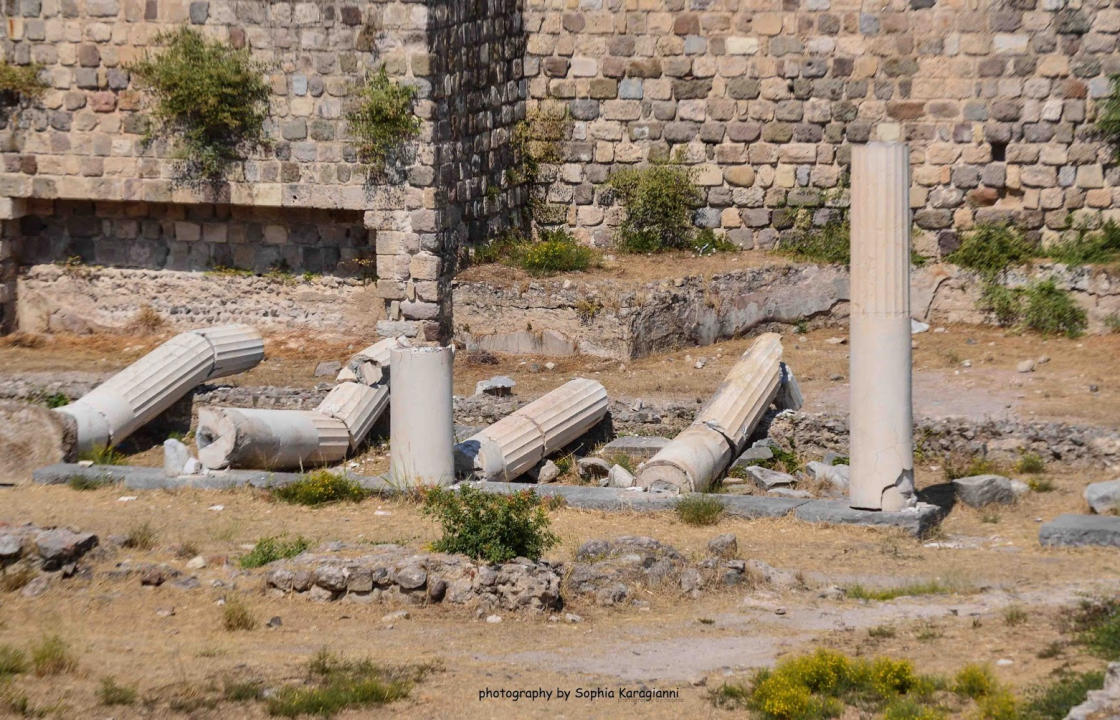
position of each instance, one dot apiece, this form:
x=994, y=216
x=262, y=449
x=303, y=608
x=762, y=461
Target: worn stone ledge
x=1071, y=530
x=918, y=521
x=591, y=498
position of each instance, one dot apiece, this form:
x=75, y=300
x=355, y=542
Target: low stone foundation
x=602, y=317
x=55, y=298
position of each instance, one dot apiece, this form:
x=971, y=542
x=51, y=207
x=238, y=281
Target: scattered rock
x=619, y=477
x=274, y=622
x=175, y=456
x=1103, y=497
x=36, y=587
x=1026, y=366
x=980, y=490
x=724, y=546
x=572, y=618
x=196, y=563
x=917, y=326
x=753, y=456
x=837, y=341
x=395, y=616
x=11, y=545
x=327, y=367
x=641, y=447
x=493, y=619
x=835, y=477
x=770, y=575
x=165, y=612
x=1020, y=488
x=591, y=468
x=1075, y=530
x=497, y=386
x=691, y=581
x=193, y=467
x=60, y=546
x=411, y=577
x=547, y=472
x=768, y=479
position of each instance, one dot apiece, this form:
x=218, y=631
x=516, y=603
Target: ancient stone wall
x=761, y=98
x=84, y=139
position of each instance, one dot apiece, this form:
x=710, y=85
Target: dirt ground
x=991, y=559
x=118, y=628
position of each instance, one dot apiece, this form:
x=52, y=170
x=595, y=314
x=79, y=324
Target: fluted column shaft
x=882, y=451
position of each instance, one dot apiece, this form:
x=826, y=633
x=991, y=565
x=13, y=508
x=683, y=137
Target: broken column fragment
x=700, y=454
x=286, y=439
x=517, y=442
x=136, y=395
x=421, y=430
x=882, y=444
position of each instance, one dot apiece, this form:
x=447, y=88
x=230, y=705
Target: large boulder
x=980, y=490
x=1103, y=497
x=60, y=546
x=32, y=436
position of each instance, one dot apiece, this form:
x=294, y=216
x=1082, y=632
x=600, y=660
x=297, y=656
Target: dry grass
x=148, y=320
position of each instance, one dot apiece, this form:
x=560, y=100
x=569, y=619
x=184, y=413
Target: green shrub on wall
x=1108, y=117
x=210, y=99
x=383, y=118
x=21, y=81
x=659, y=202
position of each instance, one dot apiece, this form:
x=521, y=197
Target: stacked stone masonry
x=762, y=97
x=84, y=139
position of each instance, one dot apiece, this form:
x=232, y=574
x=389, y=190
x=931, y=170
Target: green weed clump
x=808, y=687
x=236, y=615
x=104, y=455
x=210, y=99
x=1041, y=306
x=699, y=510
x=659, y=201
x=141, y=537
x=21, y=81
x=1108, y=117
x=925, y=587
x=991, y=249
x=974, y=681
x=335, y=685
x=1030, y=463
x=1088, y=247
x=383, y=118
x=51, y=656
x=1054, y=699
x=271, y=549
x=84, y=482
x=13, y=661
x=110, y=693
x=489, y=526
x=321, y=487
x=829, y=243
x=1096, y=624
x=555, y=251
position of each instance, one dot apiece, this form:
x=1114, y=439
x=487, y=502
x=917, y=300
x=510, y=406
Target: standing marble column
x=882, y=443
x=421, y=432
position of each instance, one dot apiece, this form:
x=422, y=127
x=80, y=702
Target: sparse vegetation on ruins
x=236, y=615
x=659, y=201
x=488, y=526
x=321, y=487
x=699, y=510
x=828, y=243
x=210, y=100
x=52, y=656
x=383, y=119
x=1108, y=116
x=991, y=250
x=271, y=549
x=21, y=81
x=555, y=251
x=337, y=684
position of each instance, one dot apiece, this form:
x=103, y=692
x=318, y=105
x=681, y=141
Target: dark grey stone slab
x=1073, y=530
x=638, y=446
x=918, y=521
x=757, y=506
x=592, y=498
x=145, y=478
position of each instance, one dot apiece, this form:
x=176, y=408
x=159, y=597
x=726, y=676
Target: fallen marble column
x=421, y=431
x=287, y=439
x=136, y=395
x=510, y=447
x=700, y=454
x=882, y=450
x=269, y=439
